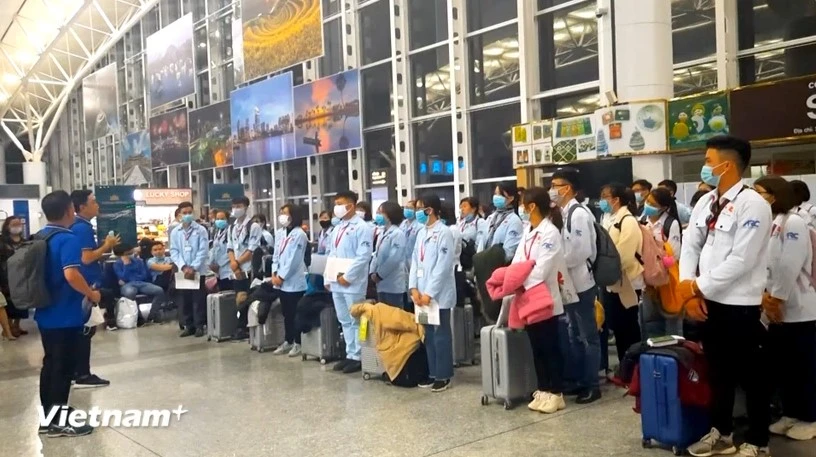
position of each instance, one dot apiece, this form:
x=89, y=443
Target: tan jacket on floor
x=397, y=334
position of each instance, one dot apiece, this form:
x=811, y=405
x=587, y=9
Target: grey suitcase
x=372, y=365
x=268, y=336
x=464, y=337
x=325, y=342
x=222, y=316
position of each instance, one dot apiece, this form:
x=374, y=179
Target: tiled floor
x=242, y=403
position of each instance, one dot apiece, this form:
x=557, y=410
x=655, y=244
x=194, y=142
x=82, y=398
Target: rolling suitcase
x=372, y=365
x=508, y=373
x=325, y=342
x=464, y=339
x=222, y=316
x=663, y=418
x=268, y=336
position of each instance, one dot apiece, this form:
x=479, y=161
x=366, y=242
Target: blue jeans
x=351, y=328
x=585, y=341
x=653, y=323
x=396, y=300
x=134, y=288
x=439, y=346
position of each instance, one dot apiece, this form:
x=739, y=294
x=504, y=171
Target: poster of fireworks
x=327, y=115
x=169, y=143
x=280, y=33
x=134, y=155
x=170, y=69
x=100, y=107
x=210, y=140
x=261, y=117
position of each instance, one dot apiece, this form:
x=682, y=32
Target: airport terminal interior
x=154, y=103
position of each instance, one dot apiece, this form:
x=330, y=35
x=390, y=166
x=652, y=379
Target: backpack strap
x=667, y=226
x=56, y=230
x=572, y=210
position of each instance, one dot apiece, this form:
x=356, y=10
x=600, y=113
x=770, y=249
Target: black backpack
x=468, y=251
x=26, y=272
x=607, y=266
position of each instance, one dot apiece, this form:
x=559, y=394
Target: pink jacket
x=528, y=306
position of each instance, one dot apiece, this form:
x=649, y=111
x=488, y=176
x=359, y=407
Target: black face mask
x=325, y=224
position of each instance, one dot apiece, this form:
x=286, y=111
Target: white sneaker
x=749, y=450
x=295, y=351
x=552, y=404
x=782, y=426
x=538, y=398
x=282, y=349
x=713, y=444
x=802, y=431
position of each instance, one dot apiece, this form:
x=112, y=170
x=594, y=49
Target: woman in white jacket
x=790, y=305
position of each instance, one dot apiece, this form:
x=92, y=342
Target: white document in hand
x=187, y=284
x=336, y=266
x=427, y=315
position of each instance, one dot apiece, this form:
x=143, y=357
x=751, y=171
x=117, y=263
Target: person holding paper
x=289, y=273
x=244, y=238
x=431, y=284
x=189, y=249
x=347, y=272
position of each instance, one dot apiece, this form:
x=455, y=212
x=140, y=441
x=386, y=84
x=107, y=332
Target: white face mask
x=238, y=212
x=340, y=211
x=361, y=214
x=15, y=230
x=284, y=220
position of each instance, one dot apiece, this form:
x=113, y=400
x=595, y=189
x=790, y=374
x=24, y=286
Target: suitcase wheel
x=209, y=339
x=647, y=443
x=261, y=350
x=323, y=361
x=366, y=376
x=304, y=357
x=508, y=405
x=485, y=400
x=677, y=451
x=474, y=362
x=253, y=348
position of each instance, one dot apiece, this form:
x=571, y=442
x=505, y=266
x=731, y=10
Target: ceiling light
x=457, y=67
x=568, y=110
x=26, y=57
x=492, y=63
x=3, y=97
x=560, y=37
x=419, y=83
x=512, y=55
x=511, y=43
x=586, y=13
x=10, y=78
x=559, y=24
x=591, y=100
x=493, y=51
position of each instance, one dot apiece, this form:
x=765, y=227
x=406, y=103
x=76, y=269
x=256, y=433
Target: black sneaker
x=588, y=397
x=240, y=334
x=43, y=429
x=56, y=431
x=441, y=386
x=426, y=384
x=187, y=332
x=90, y=381
x=352, y=366
x=199, y=332
x=341, y=365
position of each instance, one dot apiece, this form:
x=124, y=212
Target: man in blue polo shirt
x=86, y=209
x=61, y=323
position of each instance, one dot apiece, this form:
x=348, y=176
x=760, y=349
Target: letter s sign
x=811, y=104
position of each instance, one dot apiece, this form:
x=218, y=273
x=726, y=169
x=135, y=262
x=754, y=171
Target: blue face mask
x=379, y=220
x=335, y=221
x=500, y=201
x=221, y=224
x=605, y=206
x=524, y=215
x=649, y=210
x=707, y=175
x=469, y=218
x=638, y=198
x=187, y=218
x=408, y=213
x=422, y=217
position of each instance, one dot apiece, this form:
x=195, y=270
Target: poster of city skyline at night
x=327, y=115
x=261, y=119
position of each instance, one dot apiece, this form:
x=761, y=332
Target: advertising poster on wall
x=238, y=50
x=117, y=213
x=631, y=128
x=210, y=137
x=221, y=195
x=170, y=71
x=169, y=143
x=574, y=139
x=542, y=142
x=100, y=106
x=693, y=120
x=134, y=155
x=261, y=117
x=327, y=115
x=521, y=140
x=281, y=33
x=788, y=110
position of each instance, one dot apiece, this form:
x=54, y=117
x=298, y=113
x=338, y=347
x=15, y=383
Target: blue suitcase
x=664, y=419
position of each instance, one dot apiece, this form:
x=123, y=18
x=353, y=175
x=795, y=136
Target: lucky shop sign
x=784, y=109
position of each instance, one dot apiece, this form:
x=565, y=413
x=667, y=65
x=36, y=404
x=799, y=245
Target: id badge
x=188, y=249
x=710, y=239
x=420, y=273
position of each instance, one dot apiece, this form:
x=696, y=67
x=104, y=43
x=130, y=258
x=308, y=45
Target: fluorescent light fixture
x=512, y=55
x=492, y=50
x=511, y=43
x=10, y=78
x=585, y=13
x=591, y=100
x=559, y=37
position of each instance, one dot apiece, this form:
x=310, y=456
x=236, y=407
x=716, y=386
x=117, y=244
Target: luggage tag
x=420, y=273
x=363, y=333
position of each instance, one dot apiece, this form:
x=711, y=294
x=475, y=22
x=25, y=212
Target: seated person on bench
x=134, y=277
x=161, y=267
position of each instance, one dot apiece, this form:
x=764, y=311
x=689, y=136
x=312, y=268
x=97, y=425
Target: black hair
x=225, y=212
x=668, y=184
x=183, y=205
x=623, y=193
x=448, y=213
x=570, y=175
x=121, y=249
x=782, y=192
x=156, y=243
x=366, y=208
x=509, y=188
x=79, y=198
x=697, y=196
x=473, y=202
x=56, y=204
x=178, y=211
x=295, y=214
x=541, y=198
x=241, y=200
x=738, y=146
x=642, y=183
x=393, y=212
x=324, y=213
x=347, y=195
x=664, y=198
x=801, y=190
x=432, y=202
x=262, y=219
x=6, y=231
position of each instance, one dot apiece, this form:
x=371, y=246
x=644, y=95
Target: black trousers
x=625, y=323
x=792, y=347
x=239, y=286
x=83, y=353
x=547, y=357
x=289, y=302
x=224, y=285
x=193, y=306
x=734, y=344
x=108, y=303
x=62, y=348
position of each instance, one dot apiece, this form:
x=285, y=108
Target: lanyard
x=237, y=231
x=528, y=247
x=422, y=248
x=188, y=232
x=283, y=246
x=340, y=236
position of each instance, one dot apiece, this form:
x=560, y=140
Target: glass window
x=428, y=22
x=267, y=209
x=762, y=67
x=484, y=192
x=431, y=74
x=495, y=71
x=261, y=181
x=763, y=22
x=204, y=89
x=693, y=30
x=568, y=46
x=216, y=5
x=332, y=60
x=201, y=60
x=375, y=32
x=433, y=149
x=376, y=84
x=170, y=12
x=380, y=158
x=220, y=40
x=490, y=131
x=334, y=171
x=445, y=193
x=545, y=4
x=696, y=79
x=295, y=178
x=331, y=7
x=570, y=105
x=484, y=13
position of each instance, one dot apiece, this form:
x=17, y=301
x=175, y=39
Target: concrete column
x=34, y=173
